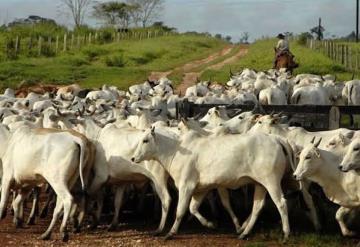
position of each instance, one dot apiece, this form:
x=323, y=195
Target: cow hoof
x=212, y=225
x=3, y=215
x=156, y=233
x=350, y=234
x=31, y=221
x=243, y=236
x=285, y=239
x=45, y=236
x=18, y=222
x=64, y=236
x=92, y=227
x=112, y=228
x=169, y=236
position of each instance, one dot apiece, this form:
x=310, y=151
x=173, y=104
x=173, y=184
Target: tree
x=244, y=38
x=77, y=8
x=218, y=36
x=228, y=38
x=145, y=11
x=113, y=13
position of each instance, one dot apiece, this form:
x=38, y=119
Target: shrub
x=94, y=52
x=115, y=61
x=75, y=61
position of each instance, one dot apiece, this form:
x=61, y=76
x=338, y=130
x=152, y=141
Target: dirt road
x=190, y=72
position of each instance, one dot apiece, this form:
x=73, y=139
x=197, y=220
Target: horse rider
x=281, y=48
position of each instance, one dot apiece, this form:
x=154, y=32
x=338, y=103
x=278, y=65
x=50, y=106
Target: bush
x=303, y=37
x=115, y=61
x=75, y=61
x=94, y=52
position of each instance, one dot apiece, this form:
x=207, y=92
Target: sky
x=228, y=17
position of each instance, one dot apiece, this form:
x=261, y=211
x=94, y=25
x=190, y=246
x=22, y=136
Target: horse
x=286, y=60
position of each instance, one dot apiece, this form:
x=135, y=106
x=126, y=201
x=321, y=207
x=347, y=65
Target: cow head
x=146, y=148
x=309, y=160
x=351, y=160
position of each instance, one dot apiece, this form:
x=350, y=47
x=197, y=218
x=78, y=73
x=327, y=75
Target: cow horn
x=198, y=116
x=59, y=112
x=313, y=140
x=197, y=80
x=335, y=78
x=318, y=142
x=353, y=76
x=231, y=73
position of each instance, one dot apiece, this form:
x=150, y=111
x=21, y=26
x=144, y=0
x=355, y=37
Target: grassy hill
x=120, y=64
x=261, y=55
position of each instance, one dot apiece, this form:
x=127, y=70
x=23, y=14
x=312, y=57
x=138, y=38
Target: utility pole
x=319, y=29
x=357, y=20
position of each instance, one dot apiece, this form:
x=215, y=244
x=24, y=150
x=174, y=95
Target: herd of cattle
x=78, y=142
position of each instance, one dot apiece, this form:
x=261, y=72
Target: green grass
x=261, y=55
x=120, y=64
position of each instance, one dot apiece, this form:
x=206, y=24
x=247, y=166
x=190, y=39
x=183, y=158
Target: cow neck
x=167, y=147
x=329, y=176
x=91, y=127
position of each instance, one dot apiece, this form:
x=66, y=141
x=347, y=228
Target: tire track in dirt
x=190, y=77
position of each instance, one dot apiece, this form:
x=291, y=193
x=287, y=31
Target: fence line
x=39, y=46
x=342, y=53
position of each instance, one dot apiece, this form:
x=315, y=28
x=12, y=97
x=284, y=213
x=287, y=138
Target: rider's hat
x=281, y=36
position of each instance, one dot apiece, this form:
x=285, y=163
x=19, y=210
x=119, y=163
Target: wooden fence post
x=89, y=39
x=334, y=118
x=17, y=45
x=357, y=60
x=57, y=45
x=65, y=44
x=72, y=42
x=39, y=46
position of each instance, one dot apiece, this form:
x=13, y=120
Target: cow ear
x=342, y=138
x=153, y=131
x=317, y=153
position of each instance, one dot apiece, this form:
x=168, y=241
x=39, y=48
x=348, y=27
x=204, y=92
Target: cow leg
x=5, y=191
x=119, y=194
x=258, y=204
x=68, y=203
x=35, y=206
x=195, y=203
x=185, y=193
x=278, y=198
x=50, y=198
x=56, y=214
x=225, y=200
x=340, y=214
x=310, y=204
x=18, y=204
x=165, y=204
x=81, y=215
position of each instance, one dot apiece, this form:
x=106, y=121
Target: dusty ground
x=190, y=77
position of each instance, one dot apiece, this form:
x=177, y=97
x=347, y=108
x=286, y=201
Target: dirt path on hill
x=190, y=77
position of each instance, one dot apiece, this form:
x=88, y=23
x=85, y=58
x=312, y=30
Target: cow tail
x=82, y=148
x=288, y=151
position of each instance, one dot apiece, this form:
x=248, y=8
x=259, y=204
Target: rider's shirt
x=282, y=45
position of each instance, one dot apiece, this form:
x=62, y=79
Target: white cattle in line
x=321, y=167
x=47, y=156
x=351, y=159
x=351, y=92
x=214, y=117
x=311, y=95
x=272, y=96
x=114, y=149
x=198, y=164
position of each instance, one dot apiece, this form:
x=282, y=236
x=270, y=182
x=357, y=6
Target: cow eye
x=146, y=141
x=260, y=122
x=332, y=143
x=240, y=117
x=356, y=149
x=308, y=157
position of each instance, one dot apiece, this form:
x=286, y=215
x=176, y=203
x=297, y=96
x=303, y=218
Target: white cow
x=47, y=156
x=272, y=96
x=321, y=167
x=198, y=164
x=351, y=92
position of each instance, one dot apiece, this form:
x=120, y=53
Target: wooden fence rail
x=311, y=117
x=40, y=46
x=347, y=55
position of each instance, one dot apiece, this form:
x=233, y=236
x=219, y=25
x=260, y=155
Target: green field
x=120, y=64
x=261, y=55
